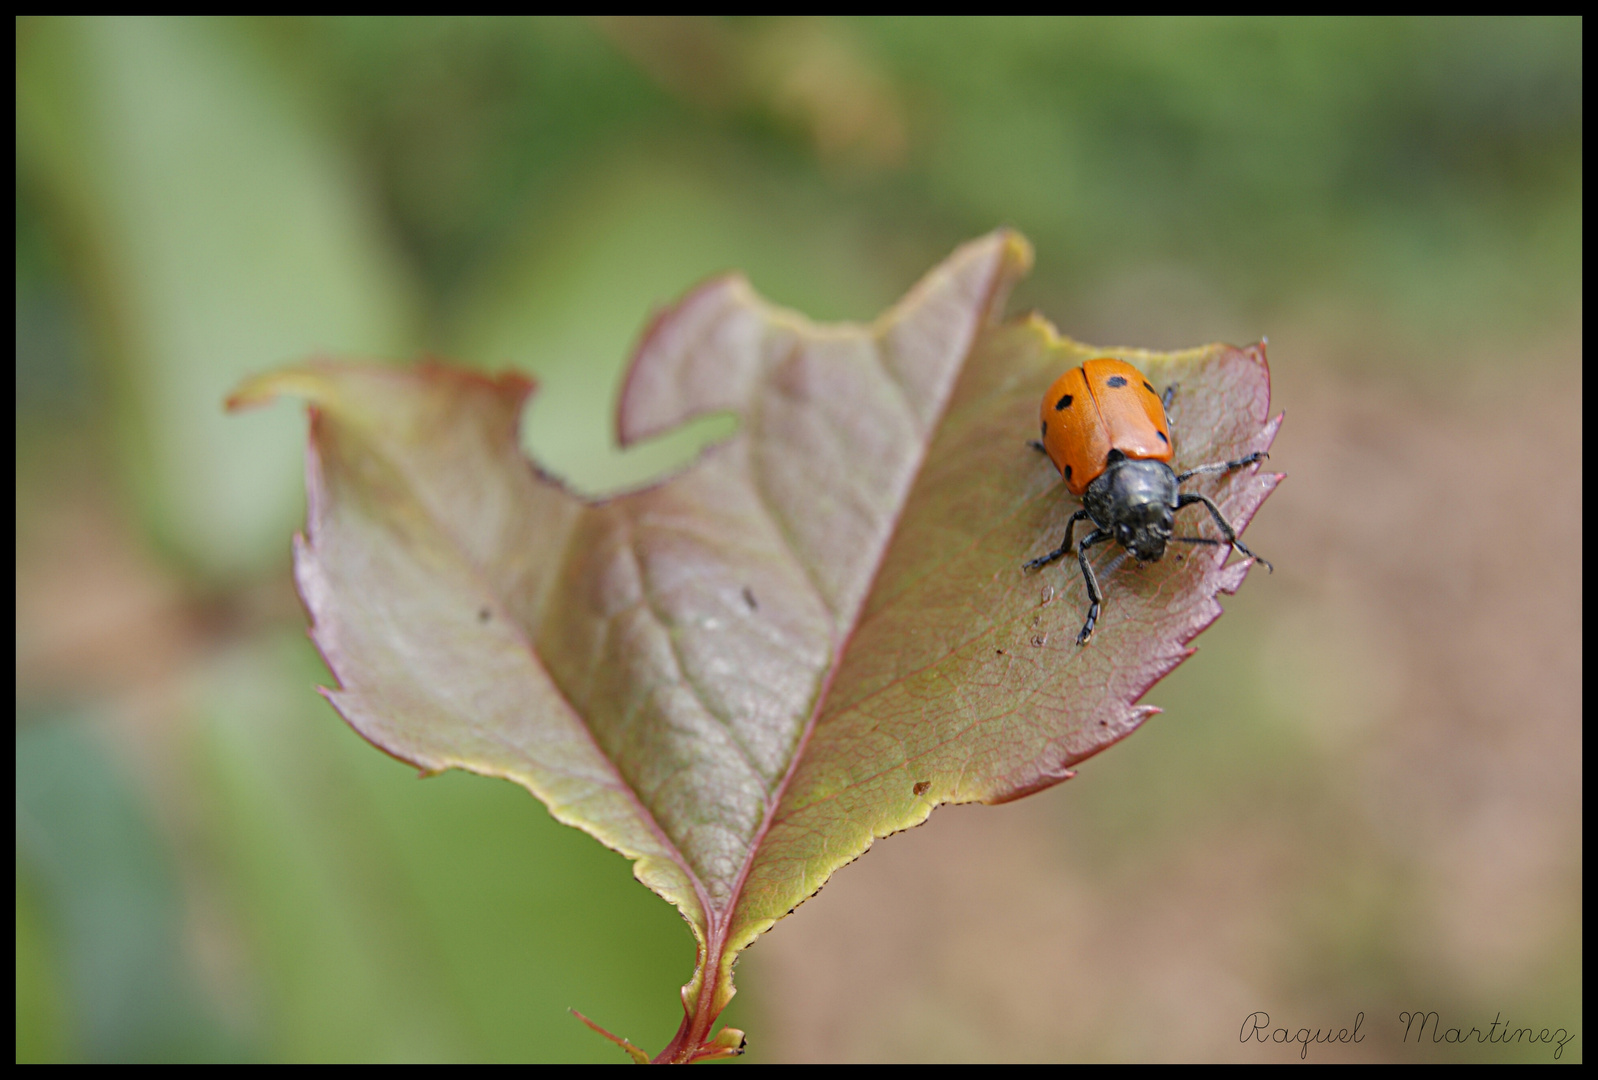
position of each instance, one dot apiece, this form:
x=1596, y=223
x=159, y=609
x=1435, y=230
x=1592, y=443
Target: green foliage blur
x=209, y=864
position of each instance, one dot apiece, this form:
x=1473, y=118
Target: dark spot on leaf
x=749, y=598
x=1115, y=380
x=1040, y=640
x=1149, y=388
x=1163, y=439
x=483, y=614
x=921, y=787
x=1062, y=403
x=998, y=652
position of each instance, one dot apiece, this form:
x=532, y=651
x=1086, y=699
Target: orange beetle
x=1105, y=428
x=1101, y=406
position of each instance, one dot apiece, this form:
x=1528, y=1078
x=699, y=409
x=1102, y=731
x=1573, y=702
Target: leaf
x=808, y=639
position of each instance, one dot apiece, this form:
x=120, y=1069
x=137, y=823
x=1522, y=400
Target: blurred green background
x=1364, y=796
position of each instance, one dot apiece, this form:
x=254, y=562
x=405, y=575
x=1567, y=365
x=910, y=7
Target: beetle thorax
x=1134, y=500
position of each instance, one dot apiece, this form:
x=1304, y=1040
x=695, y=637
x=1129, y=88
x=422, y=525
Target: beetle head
x=1140, y=498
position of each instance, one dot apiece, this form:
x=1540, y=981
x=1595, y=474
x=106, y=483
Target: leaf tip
x=253, y=392
x=1015, y=249
x=263, y=389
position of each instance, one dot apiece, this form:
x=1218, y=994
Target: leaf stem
x=691, y=1043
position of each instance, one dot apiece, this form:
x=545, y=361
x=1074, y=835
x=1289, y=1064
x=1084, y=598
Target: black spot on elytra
x=1063, y=403
x=1115, y=380
x=1149, y=388
x=1163, y=439
x=1068, y=472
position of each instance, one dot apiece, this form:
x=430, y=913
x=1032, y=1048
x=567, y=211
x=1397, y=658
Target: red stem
x=694, y=1031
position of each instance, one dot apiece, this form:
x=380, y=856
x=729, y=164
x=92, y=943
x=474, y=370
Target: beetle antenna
x=1114, y=564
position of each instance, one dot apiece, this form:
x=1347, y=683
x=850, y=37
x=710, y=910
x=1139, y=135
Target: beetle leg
x=1223, y=466
x=1095, y=598
x=1038, y=446
x=1226, y=527
x=1170, y=396
x=1065, y=545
